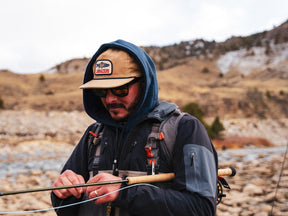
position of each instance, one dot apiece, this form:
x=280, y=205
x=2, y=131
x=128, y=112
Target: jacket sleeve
x=194, y=189
x=73, y=163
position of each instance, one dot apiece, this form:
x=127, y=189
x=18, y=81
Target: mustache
x=115, y=105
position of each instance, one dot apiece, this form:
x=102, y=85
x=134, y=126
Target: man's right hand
x=69, y=178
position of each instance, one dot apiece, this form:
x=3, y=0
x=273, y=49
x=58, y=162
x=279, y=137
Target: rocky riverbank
x=255, y=189
x=252, y=192
x=35, y=145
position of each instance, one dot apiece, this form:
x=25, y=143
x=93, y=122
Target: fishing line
x=280, y=175
x=77, y=203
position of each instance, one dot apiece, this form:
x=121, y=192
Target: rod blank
x=231, y=171
x=61, y=187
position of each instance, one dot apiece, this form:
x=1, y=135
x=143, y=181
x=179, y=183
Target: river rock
x=253, y=190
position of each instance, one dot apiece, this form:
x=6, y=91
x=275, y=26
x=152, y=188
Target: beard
x=129, y=109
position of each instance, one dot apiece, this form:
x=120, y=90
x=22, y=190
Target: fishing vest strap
x=95, y=147
x=152, y=149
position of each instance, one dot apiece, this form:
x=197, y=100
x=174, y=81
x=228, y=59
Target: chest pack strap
x=162, y=134
x=94, y=147
x=152, y=150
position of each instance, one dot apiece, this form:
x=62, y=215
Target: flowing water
x=24, y=163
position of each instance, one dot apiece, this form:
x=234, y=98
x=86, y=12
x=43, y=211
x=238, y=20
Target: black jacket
x=194, y=159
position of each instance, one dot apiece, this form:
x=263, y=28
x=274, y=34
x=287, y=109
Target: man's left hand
x=99, y=190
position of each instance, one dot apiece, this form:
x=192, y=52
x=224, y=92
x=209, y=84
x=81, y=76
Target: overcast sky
x=38, y=34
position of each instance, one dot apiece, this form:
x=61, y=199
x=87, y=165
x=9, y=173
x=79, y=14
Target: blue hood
x=93, y=105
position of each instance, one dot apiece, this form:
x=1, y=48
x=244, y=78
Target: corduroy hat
x=113, y=68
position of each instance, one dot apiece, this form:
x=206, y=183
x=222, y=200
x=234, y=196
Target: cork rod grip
x=150, y=178
x=169, y=176
x=231, y=171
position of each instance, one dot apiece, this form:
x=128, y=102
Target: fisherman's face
x=120, y=107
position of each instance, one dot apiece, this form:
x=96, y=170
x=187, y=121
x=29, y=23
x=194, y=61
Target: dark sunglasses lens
x=121, y=91
x=100, y=92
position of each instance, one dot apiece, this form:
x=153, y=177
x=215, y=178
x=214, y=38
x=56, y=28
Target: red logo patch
x=103, y=67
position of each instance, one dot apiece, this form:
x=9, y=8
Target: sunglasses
x=121, y=91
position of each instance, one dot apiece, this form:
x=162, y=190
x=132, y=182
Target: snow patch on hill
x=254, y=59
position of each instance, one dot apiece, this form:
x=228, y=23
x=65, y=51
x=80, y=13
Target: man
x=120, y=92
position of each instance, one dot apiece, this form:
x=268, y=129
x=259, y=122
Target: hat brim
x=106, y=83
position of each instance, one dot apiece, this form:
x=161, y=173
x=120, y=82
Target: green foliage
x=216, y=128
x=42, y=78
x=258, y=43
x=194, y=109
x=205, y=70
x=234, y=47
x=277, y=38
x=213, y=130
x=268, y=95
x=1, y=103
x=268, y=49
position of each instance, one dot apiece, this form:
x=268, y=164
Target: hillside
x=240, y=77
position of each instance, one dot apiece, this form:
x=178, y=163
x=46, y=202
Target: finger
x=61, y=193
x=70, y=180
x=58, y=192
x=95, y=178
x=61, y=181
x=80, y=180
x=95, y=193
x=101, y=198
x=91, y=189
x=92, y=194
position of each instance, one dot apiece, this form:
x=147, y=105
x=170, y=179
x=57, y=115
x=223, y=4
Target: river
x=24, y=163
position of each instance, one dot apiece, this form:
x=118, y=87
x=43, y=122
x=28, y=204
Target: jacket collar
x=161, y=111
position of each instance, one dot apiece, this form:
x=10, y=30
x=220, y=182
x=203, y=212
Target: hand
x=96, y=191
x=69, y=178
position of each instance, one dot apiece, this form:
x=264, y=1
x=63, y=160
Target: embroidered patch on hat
x=103, y=67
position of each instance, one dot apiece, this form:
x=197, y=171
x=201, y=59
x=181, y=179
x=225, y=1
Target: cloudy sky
x=36, y=35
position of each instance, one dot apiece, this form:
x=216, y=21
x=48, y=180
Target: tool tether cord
x=278, y=183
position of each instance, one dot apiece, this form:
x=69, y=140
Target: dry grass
x=181, y=85
x=236, y=142
x=57, y=91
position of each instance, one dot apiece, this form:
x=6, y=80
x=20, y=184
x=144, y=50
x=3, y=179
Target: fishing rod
x=128, y=180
